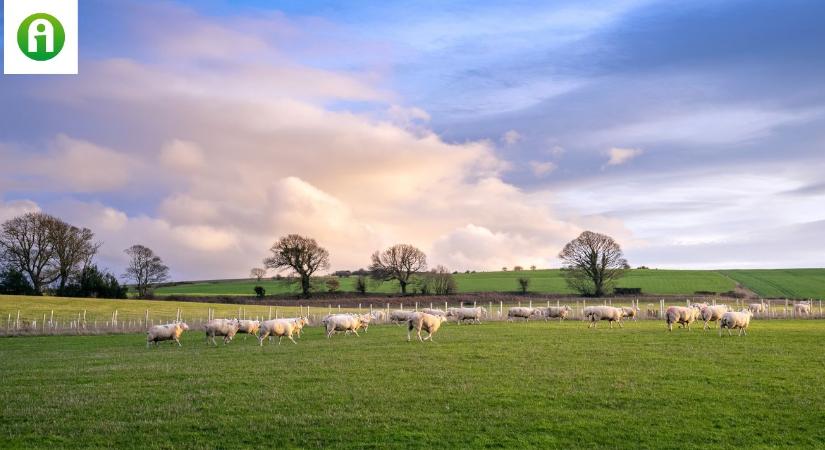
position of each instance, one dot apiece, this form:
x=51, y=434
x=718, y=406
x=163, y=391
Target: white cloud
x=182, y=155
x=620, y=156
x=542, y=168
x=511, y=137
x=15, y=208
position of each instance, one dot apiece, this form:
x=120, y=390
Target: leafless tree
x=517, y=268
x=257, y=273
x=145, y=268
x=332, y=284
x=523, y=284
x=592, y=263
x=443, y=282
x=398, y=262
x=301, y=254
x=27, y=244
x=74, y=249
x=533, y=267
x=361, y=284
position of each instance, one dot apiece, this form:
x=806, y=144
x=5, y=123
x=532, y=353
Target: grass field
x=492, y=385
x=543, y=281
x=782, y=283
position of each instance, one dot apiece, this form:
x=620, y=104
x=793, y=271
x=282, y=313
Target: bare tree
x=517, y=268
x=257, y=273
x=27, y=244
x=398, y=262
x=523, y=284
x=533, y=267
x=301, y=254
x=145, y=268
x=73, y=248
x=443, y=282
x=361, y=284
x=592, y=263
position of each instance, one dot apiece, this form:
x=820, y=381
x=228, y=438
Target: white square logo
x=40, y=36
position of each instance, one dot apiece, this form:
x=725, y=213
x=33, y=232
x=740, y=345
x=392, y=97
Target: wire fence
x=23, y=323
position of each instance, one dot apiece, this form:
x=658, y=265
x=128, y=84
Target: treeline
x=40, y=253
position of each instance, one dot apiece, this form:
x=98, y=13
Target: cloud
x=80, y=166
x=542, y=168
x=15, y=208
x=620, y=156
x=182, y=155
x=511, y=137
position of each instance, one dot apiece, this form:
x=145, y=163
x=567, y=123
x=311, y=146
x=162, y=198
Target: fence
x=82, y=323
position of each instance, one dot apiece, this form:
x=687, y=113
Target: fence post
x=17, y=322
x=500, y=309
x=416, y=306
x=402, y=306
x=530, y=304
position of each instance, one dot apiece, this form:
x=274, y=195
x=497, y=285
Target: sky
x=488, y=134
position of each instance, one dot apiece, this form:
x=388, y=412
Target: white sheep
x=168, y=332
x=630, y=312
x=683, y=315
x=802, y=309
x=472, y=314
x=522, y=312
x=221, y=327
x=757, y=308
x=712, y=314
x=249, y=327
x=341, y=322
x=277, y=327
x=553, y=312
x=423, y=321
x=399, y=316
x=435, y=312
x=596, y=313
x=732, y=319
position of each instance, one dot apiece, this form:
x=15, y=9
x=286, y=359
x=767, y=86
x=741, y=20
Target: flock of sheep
x=429, y=320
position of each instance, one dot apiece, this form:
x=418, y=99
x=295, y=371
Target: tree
x=398, y=262
x=301, y=254
x=332, y=284
x=517, y=268
x=27, y=245
x=13, y=282
x=523, y=284
x=443, y=282
x=533, y=267
x=504, y=269
x=592, y=263
x=257, y=273
x=145, y=268
x=260, y=291
x=74, y=249
x=93, y=282
x=361, y=284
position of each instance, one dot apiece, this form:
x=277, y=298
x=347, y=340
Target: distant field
x=492, y=385
x=665, y=282
x=782, y=283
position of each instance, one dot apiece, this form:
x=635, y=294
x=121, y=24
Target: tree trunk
x=305, y=285
x=403, y=286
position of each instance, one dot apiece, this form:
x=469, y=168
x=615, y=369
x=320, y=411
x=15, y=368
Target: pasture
x=782, y=283
x=491, y=385
x=664, y=282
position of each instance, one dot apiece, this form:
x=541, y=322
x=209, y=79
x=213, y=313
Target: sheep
x=221, y=327
x=249, y=327
x=630, y=312
x=699, y=306
x=434, y=312
x=428, y=322
x=378, y=316
x=365, y=321
x=472, y=314
x=802, y=309
x=596, y=313
x=731, y=319
x=277, y=327
x=757, y=308
x=522, y=312
x=552, y=312
x=168, y=332
x=652, y=311
x=712, y=314
x=398, y=316
x=682, y=315
x=341, y=322
x=299, y=322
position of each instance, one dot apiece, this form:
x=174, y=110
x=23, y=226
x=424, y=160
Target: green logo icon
x=41, y=37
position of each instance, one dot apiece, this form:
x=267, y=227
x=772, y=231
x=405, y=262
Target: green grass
x=782, y=283
x=543, y=281
x=494, y=385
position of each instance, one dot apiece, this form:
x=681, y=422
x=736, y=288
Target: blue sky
x=693, y=131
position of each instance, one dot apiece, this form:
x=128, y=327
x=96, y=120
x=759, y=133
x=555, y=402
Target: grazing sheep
x=434, y=312
x=221, y=327
x=249, y=327
x=341, y=322
x=630, y=312
x=168, y=332
x=731, y=320
x=712, y=314
x=596, y=313
x=399, y=316
x=521, y=312
x=277, y=327
x=802, y=309
x=553, y=312
x=472, y=314
x=682, y=315
x=423, y=321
